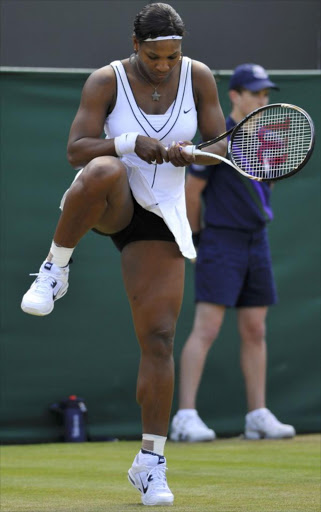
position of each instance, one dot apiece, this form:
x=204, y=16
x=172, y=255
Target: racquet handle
x=189, y=150
x=192, y=150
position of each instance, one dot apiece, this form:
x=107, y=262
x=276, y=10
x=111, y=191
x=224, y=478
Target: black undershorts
x=144, y=225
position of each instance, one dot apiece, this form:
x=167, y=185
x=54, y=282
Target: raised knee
x=103, y=170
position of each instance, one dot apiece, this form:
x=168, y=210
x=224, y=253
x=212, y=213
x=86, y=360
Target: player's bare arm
x=98, y=97
x=211, y=122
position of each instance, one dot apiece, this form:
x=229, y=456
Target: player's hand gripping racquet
x=271, y=143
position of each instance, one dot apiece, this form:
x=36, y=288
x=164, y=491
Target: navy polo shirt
x=232, y=200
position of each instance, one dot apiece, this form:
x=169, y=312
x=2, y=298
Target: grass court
x=227, y=475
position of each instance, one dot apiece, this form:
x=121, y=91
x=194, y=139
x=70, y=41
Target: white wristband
x=125, y=143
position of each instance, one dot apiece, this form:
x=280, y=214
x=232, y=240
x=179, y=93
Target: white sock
x=153, y=443
x=60, y=256
x=186, y=412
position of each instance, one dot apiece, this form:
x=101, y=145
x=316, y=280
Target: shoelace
x=43, y=283
x=158, y=480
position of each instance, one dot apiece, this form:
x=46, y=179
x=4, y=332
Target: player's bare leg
x=100, y=197
x=153, y=274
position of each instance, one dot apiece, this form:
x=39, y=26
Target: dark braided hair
x=156, y=20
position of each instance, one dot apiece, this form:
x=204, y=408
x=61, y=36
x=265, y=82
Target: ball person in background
x=131, y=187
x=233, y=270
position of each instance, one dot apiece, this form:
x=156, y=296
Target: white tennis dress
x=157, y=188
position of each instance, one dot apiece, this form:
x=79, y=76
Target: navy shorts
x=144, y=225
x=234, y=268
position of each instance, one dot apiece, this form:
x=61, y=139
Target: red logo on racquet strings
x=273, y=144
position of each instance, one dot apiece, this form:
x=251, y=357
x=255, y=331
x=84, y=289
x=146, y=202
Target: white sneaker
x=262, y=424
x=148, y=476
x=189, y=427
x=50, y=285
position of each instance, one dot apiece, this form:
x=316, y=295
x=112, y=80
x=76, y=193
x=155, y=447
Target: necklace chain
x=155, y=95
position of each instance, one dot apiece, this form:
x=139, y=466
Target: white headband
x=162, y=38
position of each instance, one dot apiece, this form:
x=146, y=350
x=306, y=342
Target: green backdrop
x=87, y=346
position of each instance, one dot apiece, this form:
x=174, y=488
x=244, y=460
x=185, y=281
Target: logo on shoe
x=48, y=265
x=145, y=489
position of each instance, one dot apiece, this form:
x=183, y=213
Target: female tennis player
x=131, y=188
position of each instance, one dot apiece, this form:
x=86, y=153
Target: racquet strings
x=272, y=143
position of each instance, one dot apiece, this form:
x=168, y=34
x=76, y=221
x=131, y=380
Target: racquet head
x=273, y=142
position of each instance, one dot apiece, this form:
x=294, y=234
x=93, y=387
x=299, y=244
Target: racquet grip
x=189, y=150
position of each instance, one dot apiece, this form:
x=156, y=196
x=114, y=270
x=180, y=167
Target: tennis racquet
x=271, y=143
